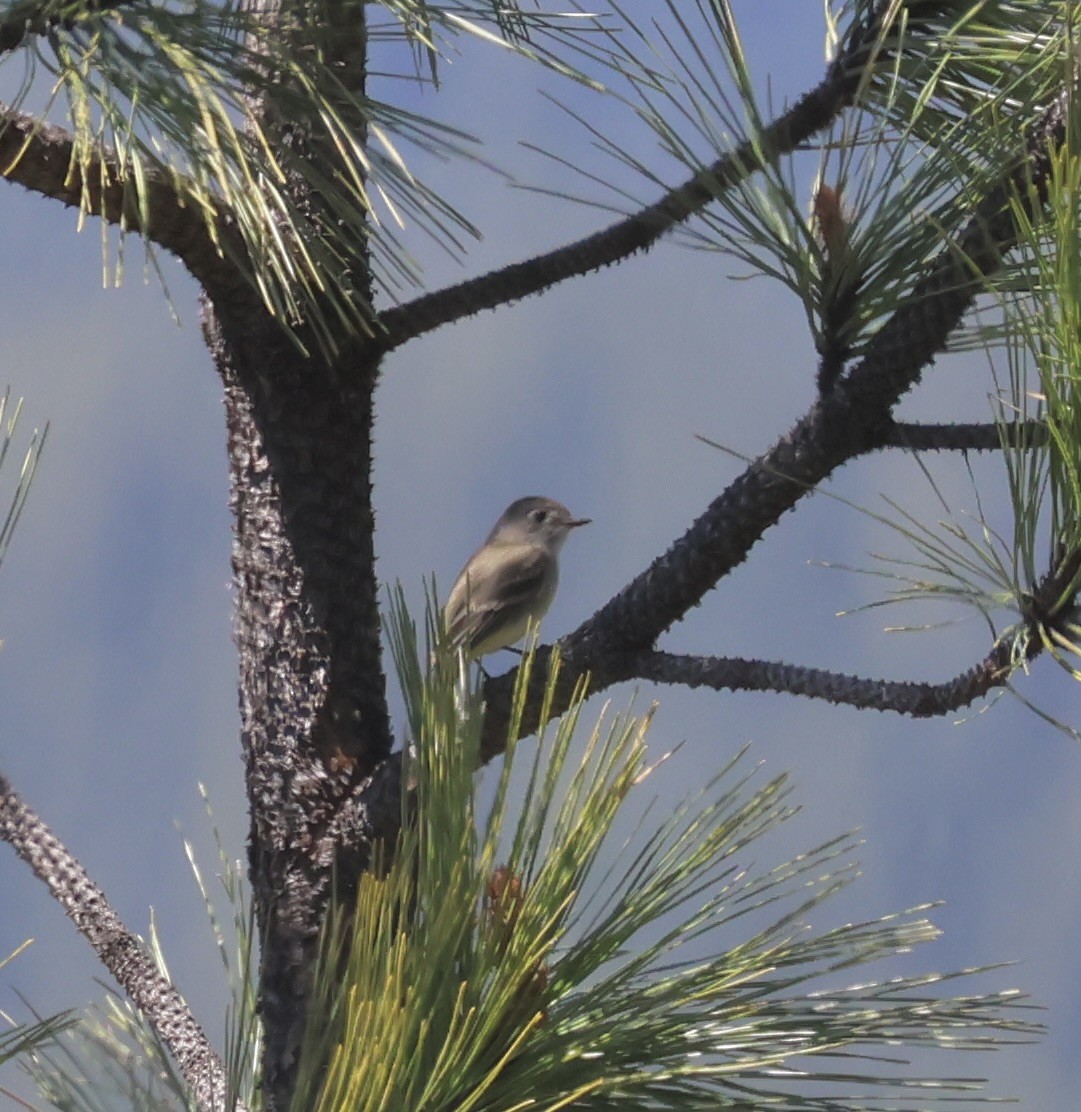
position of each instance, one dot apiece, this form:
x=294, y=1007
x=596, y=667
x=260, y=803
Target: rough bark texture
x=315, y=728
x=121, y=951
x=312, y=692
x=314, y=717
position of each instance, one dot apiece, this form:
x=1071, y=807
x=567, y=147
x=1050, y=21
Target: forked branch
x=869, y=43
x=853, y=418
x=617, y=643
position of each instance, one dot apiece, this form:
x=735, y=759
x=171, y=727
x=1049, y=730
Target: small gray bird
x=511, y=579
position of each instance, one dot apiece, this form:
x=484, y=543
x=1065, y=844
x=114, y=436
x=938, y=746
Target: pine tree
x=249, y=144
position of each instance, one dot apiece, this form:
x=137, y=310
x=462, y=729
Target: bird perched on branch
x=511, y=579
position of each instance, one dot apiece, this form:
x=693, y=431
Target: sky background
x=118, y=675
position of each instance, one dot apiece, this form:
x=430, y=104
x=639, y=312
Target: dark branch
x=14, y=32
x=965, y=437
x=853, y=418
x=119, y=950
x=375, y=805
x=921, y=700
x=1043, y=608
x=617, y=242
x=640, y=231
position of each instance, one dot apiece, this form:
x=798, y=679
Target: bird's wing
x=506, y=589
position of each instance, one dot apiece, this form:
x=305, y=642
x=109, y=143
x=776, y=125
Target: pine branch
x=850, y=420
x=1048, y=605
x=373, y=810
x=120, y=951
x=14, y=32
x=853, y=418
x=617, y=242
x=40, y=157
x=814, y=111
x=920, y=700
x=989, y=437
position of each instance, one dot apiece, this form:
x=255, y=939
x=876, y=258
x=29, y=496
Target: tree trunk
x=313, y=710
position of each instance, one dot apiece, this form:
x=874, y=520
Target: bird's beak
x=575, y=522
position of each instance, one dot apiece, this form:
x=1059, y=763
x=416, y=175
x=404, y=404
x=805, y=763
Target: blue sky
x=117, y=673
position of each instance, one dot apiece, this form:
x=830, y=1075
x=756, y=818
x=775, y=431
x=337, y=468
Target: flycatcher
x=511, y=579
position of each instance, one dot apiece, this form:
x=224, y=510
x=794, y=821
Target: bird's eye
x=539, y=516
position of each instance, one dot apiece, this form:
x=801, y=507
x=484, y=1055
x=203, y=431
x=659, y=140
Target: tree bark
x=313, y=707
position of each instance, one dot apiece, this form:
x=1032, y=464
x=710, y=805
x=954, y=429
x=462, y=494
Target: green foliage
x=538, y=956
x=22, y=1039
x=224, y=104
x=109, y=1058
x=937, y=116
x=9, y=419
x=565, y=945
x=1043, y=330
x=236, y=946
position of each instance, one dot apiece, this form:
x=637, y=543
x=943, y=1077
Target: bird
x=510, y=581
